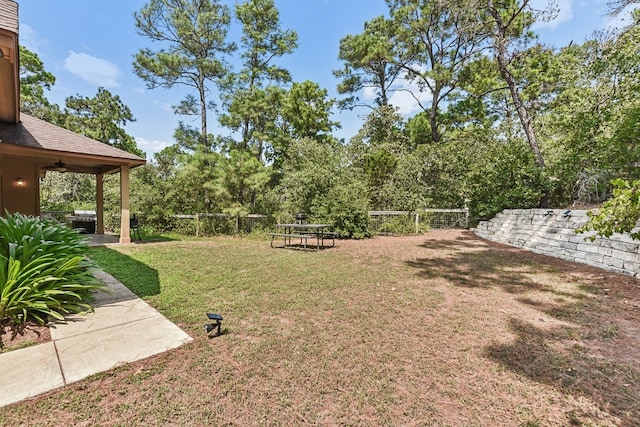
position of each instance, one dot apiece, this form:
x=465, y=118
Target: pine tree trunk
x=500, y=41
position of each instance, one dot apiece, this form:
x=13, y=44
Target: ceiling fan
x=58, y=166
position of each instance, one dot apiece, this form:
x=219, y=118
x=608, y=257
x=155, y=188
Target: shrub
x=43, y=270
x=346, y=209
x=405, y=224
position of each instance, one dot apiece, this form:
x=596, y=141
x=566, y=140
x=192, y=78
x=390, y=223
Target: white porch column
x=124, y=205
x=100, y=204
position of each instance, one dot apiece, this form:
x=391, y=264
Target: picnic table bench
x=288, y=236
x=304, y=232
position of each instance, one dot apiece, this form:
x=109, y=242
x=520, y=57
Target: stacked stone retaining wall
x=552, y=232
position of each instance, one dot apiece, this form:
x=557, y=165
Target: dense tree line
x=508, y=121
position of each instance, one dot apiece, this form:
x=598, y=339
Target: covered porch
x=32, y=147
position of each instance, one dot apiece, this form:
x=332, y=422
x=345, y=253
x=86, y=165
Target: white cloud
x=150, y=147
x=164, y=106
x=403, y=95
x=30, y=39
x=565, y=13
x=405, y=101
x=369, y=93
x=96, y=71
x=621, y=20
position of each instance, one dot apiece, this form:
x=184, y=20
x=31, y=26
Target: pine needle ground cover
x=443, y=329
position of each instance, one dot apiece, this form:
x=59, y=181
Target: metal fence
x=405, y=222
x=380, y=222
x=214, y=223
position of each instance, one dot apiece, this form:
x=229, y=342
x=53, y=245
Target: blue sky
x=91, y=44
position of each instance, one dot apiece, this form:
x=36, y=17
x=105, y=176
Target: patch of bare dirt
x=18, y=336
x=565, y=325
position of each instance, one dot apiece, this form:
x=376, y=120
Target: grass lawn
x=438, y=330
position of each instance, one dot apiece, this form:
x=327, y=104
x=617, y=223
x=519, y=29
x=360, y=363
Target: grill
x=84, y=221
x=301, y=217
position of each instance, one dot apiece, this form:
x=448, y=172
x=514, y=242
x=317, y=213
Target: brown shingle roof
x=9, y=16
x=35, y=133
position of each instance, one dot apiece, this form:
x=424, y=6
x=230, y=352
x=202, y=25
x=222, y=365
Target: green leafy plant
x=620, y=214
x=43, y=270
x=346, y=209
x=402, y=225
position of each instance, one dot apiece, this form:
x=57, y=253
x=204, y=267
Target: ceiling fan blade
x=58, y=166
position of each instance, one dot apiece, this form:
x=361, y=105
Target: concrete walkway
x=122, y=329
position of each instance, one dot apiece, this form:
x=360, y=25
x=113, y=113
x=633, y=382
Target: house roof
x=37, y=138
x=9, y=16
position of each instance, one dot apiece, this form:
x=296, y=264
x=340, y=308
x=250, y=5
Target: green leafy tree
x=67, y=191
x=500, y=175
x=377, y=150
x=249, y=94
x=307, y=111
x=309, y=173
x=367, y=65
x=591, y=122
x=432, y=50
x=318, y=180
x=153, y=194
x=407, y=188
x=346, y=209
x=304, y=111
x=34, y=80
x=192, y=35
x=160, y=189
x=240, y=176
x=508, y=28
x=102, y=118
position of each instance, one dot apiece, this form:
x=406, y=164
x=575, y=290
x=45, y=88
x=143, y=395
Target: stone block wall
x=552, y=232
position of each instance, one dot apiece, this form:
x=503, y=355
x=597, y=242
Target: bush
x=43, y=270
x=398, y=225
x=346, y=210
x=620, y=214
x=406, y=224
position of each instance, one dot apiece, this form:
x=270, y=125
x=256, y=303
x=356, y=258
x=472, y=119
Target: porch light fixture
x=20, y=182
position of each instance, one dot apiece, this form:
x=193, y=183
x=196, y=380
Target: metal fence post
x=466, y=212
